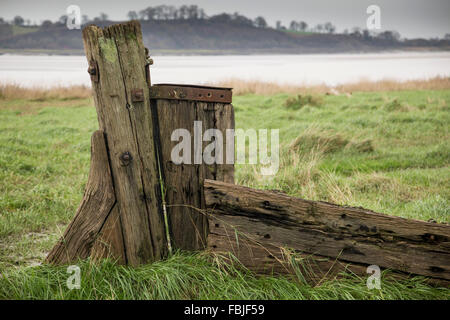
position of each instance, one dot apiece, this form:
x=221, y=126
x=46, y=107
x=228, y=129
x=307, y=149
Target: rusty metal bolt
x=137, y=95
x=181, y=94
x=92, y=71
x=126, y=158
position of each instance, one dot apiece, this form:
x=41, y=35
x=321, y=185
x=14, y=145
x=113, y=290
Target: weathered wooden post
x=121, y=214
x=117, y=65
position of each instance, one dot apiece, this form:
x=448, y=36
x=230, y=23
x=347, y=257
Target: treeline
x=190, y=28
x=195, y=13
x=157, y=13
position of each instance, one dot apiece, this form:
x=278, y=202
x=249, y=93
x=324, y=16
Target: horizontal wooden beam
x=271, y=220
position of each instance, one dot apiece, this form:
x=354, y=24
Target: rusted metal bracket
x=191, y=93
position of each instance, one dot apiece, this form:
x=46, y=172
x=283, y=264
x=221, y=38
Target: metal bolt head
x=137, y=95
x=126, y=158
x=92, y=71
x=180, y=94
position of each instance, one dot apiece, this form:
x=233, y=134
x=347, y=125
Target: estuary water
x=330, y=69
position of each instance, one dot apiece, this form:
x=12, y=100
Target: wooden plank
x=183, y=182
x=119, y=53
x=352, y=235
x=271, y=259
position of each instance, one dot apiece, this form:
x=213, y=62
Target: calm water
x=293, y=69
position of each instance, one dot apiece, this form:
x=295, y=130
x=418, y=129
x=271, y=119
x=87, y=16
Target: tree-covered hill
x=191, y=30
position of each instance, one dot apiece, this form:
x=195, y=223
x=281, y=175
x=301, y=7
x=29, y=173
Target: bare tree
x=192, y=12
x=260, y=22
x=303, y=26
x=183, y=12
x=132, y=15
x=18, y=21
x=294, y=26
x=329, y=27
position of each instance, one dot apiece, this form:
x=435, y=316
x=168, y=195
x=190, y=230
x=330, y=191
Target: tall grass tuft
x=300, y=101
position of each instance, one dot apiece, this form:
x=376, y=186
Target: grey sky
x=412, y=18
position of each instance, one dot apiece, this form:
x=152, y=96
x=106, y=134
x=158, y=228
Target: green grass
x=193, y=276
x=387, y=152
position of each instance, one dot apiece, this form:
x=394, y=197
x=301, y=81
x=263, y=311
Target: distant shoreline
x=210, y=52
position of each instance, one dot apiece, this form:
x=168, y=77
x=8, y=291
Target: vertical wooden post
x=123, y=104
x=117, y=65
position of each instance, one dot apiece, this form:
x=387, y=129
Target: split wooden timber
x=336, y=236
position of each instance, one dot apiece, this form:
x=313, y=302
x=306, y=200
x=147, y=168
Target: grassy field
x=383, y=150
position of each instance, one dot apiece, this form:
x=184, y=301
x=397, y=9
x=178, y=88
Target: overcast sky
x=412, y=18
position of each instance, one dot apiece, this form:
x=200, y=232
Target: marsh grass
x=242, y=87
x=385, y=151
x=15, y=91
x=195, y=276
